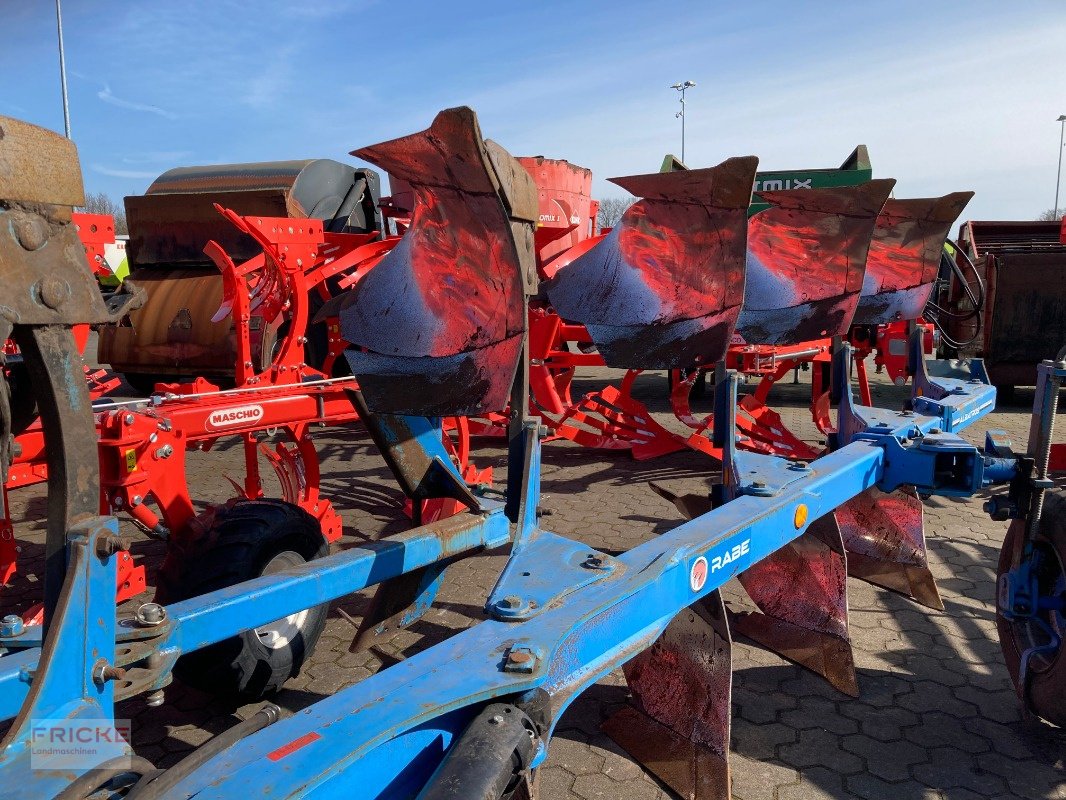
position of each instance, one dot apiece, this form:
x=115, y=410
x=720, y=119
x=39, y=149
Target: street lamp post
x=63, y=70
x=681, y=87
x=1058, y=175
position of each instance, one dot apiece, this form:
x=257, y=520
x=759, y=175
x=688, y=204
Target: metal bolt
x=520, y=659
x=496, y=720
x=53, y=291
x=543, y=431
x=136, y=501
x=31, y=232
x=511, y=602
x=154, y=699
x=128, y=419
x=758, y=484
x=12, y=625
x=935, y=431
x=104, y=672
x=166, y=451
x=153, y=438
x=108, y=545
x=151, y=614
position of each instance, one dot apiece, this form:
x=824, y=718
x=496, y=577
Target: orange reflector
x=800, y=517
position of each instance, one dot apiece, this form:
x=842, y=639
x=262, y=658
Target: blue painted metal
x=590, y=630
x=389, y=732
x=68, y=682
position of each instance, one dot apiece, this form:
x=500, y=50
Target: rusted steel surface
x=679, y=729
x=802, y=593
x=172, y=333
x=437, y=326
x=885, y=542
x=664, y=288
x=170, y=224
x=904, y=256
x=806, y=260
x=36, y=166
x=47, y=289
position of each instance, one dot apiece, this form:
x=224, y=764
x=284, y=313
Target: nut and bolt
x=104, y=672
x=108, y=544
x=137, y=500
x=151, y=614
x=128, y=419
x=12, y=625
x=758, y=484
x=155, y=699
x=935, y=431
x=166, y=451
x=496, y=719
x=520, y=659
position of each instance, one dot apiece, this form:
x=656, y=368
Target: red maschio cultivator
x=142, y=443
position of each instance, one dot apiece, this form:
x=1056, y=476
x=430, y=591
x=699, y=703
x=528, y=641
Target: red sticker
x=293, y=746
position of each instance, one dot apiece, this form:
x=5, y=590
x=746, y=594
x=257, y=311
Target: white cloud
x=122, y=173
x=106, y=95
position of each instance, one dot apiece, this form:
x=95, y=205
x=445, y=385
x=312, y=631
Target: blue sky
x=947, y=95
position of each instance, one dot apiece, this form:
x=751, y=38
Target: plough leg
x=801, y=592
x=678, y=727
x=884, y=538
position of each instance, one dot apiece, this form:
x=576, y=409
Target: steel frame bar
x=387, y=733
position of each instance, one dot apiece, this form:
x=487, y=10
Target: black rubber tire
x=244, y=541
x=1047, y=683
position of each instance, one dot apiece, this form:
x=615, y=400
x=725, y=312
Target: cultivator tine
x=678, y=725
x=437, y=326
x=801, y=591
x=805, y=262
x=904, y=257
x=885, y=542
x=665, y=286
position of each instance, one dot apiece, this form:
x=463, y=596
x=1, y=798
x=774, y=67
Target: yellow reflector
x=800, y=516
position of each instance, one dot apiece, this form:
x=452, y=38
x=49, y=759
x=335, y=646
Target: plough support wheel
x=1033, y=647
x=249, y=539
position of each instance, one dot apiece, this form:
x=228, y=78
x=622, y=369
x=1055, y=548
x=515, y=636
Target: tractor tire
x=1047, y=680
x=247, y=540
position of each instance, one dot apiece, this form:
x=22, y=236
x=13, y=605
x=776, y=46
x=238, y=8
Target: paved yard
x=937, y=717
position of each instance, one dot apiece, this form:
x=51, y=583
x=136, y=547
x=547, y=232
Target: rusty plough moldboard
x=473, y=716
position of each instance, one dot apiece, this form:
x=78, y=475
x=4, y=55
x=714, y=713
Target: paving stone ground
x=937, y=716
